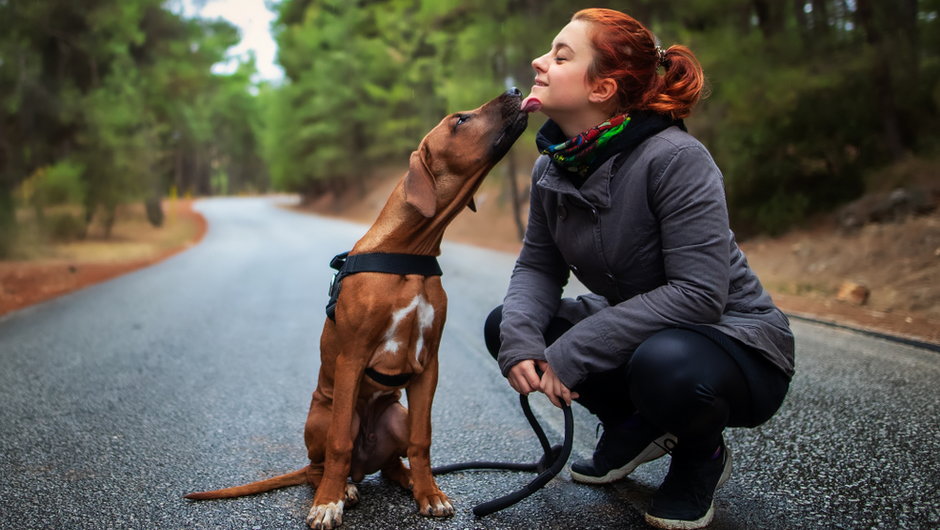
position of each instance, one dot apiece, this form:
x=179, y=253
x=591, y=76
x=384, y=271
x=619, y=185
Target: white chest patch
x=425, y=317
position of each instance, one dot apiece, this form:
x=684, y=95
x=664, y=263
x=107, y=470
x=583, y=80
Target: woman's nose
x=538, y=62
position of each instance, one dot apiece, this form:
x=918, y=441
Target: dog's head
x=453, y=158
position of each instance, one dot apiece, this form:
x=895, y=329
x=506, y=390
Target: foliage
x=806, y=96
x=116, y=100
x=58, y=184
x=108, y=101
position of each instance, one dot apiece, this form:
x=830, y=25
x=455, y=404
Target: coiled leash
x=551, y=463
x=553, y=458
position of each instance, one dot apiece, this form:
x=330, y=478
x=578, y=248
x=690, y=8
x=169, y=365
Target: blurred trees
x=367, y=78
x=104, y=101
x=807, y=96
x=114, y=100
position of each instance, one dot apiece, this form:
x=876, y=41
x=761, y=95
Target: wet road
x=196, y=373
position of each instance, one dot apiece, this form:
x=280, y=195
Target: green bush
x=63, y=226
x=60, y=183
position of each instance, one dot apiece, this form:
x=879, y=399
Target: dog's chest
x=410, y=329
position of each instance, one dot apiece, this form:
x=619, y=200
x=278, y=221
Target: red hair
x=626, y=52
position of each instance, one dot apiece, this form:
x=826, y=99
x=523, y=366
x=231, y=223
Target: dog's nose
x=514, y=92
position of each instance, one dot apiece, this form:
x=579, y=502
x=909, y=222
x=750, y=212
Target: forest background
x=108, y=102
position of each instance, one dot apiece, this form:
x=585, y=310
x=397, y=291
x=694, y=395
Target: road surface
x=196, y=373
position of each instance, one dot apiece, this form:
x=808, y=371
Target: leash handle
x=548, y=467
x=495, y=505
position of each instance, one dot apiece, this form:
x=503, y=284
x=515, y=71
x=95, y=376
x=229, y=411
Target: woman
x=678, y=339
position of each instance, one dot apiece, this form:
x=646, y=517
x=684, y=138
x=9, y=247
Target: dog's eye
x=461, y=119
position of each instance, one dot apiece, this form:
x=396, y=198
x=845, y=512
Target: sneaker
x=685, y=498
x=618, y=453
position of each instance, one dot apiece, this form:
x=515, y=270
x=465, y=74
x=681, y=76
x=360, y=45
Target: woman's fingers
x=532, y=377
x=556, y=391
x=523, y=377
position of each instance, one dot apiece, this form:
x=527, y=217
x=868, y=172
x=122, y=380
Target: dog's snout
x=514, y=92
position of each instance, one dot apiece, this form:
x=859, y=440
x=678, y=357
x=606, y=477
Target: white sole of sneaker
x=653, y=451
x=726, y=471
x=674, y=524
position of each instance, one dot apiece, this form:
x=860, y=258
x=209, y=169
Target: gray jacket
x=649, y=236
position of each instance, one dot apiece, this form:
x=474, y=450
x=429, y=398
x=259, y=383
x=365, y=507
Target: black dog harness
x=378, y=262
x=554, y=457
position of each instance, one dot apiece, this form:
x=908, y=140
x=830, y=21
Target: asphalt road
x=196, y=373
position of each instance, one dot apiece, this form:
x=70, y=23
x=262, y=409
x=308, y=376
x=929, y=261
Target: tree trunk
x=514, y=193
x=820, y=18
x=881, y=78
x=7, y=219
x=110, y=216
x=769, y=18
x=178, y=170
x=800, y=15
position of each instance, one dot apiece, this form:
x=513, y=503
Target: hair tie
x=661, y=54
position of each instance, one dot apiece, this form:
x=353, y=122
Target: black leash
x=551, y=463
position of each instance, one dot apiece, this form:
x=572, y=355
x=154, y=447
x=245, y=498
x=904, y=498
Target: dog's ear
x=419, y=186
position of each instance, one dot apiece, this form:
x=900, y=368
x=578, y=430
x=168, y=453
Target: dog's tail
x=288, y=479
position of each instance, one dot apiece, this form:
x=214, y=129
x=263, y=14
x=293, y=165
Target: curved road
x=196, y=373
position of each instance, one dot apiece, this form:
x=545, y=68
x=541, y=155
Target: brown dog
x=390, y=325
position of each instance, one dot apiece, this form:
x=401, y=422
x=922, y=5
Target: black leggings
x=692, y=382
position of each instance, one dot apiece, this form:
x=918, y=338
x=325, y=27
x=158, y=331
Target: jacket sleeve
x=687, y=196
x=535, y=287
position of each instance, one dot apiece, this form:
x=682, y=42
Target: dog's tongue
x=531, y=104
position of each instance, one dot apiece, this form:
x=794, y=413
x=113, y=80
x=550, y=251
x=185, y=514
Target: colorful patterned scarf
x=578, y=153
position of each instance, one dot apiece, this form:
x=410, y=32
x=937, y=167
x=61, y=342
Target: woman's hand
x=523, y=377
x=556, y=391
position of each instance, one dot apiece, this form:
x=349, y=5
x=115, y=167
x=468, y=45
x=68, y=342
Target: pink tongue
x=531, y=104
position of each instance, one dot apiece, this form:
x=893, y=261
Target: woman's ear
x=603, y=90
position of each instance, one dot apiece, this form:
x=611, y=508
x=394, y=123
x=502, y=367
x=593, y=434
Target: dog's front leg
x=431, y=500
x=327, y=510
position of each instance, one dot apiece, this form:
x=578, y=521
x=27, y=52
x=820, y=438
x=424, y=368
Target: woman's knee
x=491, y=331
x=683, y=380
x=667, y=354
x=556, y=328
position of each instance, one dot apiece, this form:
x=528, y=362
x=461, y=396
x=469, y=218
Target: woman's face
x=561, y=81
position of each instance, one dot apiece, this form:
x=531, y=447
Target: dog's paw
x=326, y=516
x=352, y=495
x=437, y=505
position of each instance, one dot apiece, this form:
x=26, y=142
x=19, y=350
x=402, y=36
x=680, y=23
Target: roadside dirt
x=898, y=262
x=65, y=268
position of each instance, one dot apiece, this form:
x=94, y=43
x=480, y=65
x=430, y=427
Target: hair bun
x=626, y=51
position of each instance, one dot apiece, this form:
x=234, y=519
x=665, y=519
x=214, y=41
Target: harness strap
x=391, y=264
x=385, y=262
x=386, y=379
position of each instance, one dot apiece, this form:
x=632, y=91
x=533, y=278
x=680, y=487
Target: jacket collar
x=594, y=191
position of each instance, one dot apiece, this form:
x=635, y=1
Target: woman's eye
x=560, y=59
